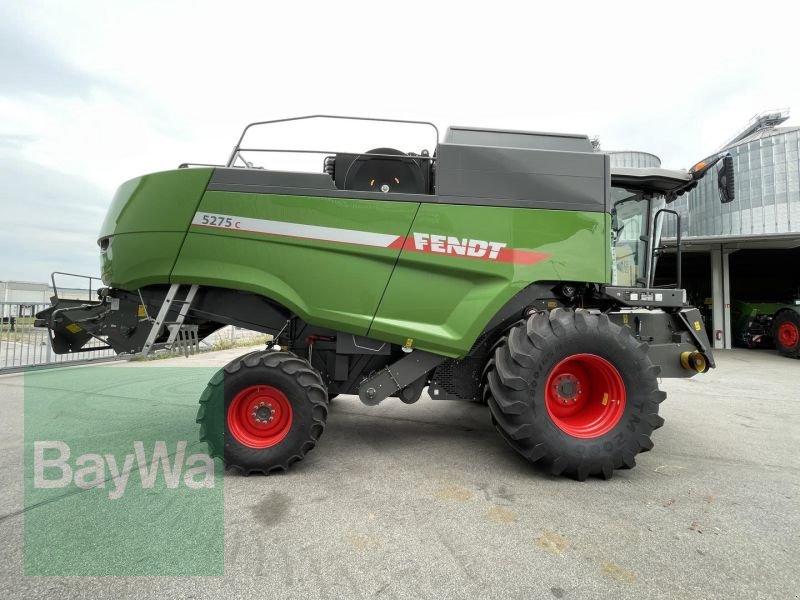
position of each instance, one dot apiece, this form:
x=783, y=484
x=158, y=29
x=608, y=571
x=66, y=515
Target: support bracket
x=398, y=375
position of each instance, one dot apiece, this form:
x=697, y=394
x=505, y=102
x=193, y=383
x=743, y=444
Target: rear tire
x=574, y=391
x=263, y=412
x=786, y=333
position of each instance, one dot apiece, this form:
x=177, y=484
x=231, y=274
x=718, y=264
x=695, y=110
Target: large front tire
x=263, y=412
x=574, y=391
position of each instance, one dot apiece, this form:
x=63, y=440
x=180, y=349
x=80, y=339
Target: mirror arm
x=698, y=171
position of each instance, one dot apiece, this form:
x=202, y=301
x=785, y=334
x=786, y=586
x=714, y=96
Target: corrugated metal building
x=748, y=249
x=767, y=167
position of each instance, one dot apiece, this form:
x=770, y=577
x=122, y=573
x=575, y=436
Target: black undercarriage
x=348, y=362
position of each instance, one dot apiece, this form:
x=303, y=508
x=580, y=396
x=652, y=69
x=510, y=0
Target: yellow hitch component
x=694, y=361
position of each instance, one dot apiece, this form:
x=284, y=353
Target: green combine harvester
x=506, y=267
x=767, y=325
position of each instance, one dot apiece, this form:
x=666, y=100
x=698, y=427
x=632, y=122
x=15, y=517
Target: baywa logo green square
x=116, y=481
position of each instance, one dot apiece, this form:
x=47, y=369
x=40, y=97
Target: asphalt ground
x=426, y=501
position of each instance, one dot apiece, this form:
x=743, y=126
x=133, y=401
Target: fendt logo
x=444, y=244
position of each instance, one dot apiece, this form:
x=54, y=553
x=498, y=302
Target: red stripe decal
x=398, y=243
x=522, y=257
x=427, y=243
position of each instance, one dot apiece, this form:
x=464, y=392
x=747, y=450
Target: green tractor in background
x=767, y=325
x=505, y=267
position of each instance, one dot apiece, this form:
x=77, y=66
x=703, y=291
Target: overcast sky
x=94, y=93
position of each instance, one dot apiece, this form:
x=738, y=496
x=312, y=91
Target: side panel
x=145, y=226
x=442, y=298
x=134, y=260
x=326, y=259
x=162, y=201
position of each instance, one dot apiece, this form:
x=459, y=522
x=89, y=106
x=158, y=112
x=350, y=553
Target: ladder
x=185, y=334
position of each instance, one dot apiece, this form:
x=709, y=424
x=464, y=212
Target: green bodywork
x=148, y=219
x=747, y=310
x=743, y=312
x=441, y=302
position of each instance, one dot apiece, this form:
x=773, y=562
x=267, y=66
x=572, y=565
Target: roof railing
x=238, y=147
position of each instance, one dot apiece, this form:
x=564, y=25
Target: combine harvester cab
x=506, y=267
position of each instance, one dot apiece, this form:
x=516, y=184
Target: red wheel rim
x=259, y=416
x=585, y=396
x=788, y=334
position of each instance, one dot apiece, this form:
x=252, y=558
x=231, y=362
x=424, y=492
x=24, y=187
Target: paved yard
x=426, y=501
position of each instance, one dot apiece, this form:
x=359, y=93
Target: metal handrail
x=238, y=147
x=248, y=165
x=370, y=154
x=89, y=277
x=659, y=214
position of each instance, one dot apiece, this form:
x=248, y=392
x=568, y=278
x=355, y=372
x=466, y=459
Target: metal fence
x=22, y=345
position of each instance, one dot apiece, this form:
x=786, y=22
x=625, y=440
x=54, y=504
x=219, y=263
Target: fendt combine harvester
x=507, y=267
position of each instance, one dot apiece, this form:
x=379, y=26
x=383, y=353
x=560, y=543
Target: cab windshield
x=629, y=224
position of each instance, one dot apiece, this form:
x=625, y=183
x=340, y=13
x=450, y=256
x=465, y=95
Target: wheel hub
x=585, y=396
x=788, y=335
x=259, y=416
x=263, y=413
x=567, y=388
